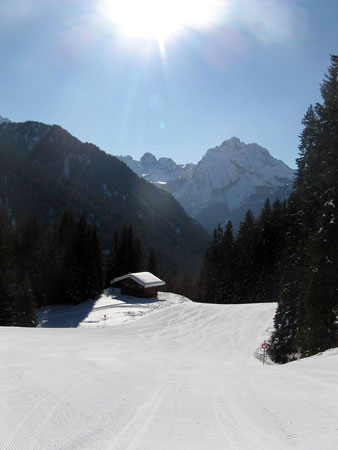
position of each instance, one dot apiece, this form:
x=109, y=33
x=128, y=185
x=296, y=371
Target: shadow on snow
x=70, y=316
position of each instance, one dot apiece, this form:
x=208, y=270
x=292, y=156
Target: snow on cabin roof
x=146, y=279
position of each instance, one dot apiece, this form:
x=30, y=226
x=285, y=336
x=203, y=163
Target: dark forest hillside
x=44, y=170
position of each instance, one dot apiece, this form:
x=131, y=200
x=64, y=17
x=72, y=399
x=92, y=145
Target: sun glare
x=160, y=19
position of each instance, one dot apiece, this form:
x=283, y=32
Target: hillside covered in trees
x=44, y=171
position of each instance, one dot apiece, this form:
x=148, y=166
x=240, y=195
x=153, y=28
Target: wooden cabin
x=139, y=284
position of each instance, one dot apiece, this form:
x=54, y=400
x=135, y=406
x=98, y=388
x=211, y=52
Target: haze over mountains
x=229, y=179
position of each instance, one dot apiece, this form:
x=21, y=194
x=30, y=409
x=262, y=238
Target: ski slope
x=183, y=377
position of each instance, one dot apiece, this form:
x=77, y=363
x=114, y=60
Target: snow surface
x=184, y=377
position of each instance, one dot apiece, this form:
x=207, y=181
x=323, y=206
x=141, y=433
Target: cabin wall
x=151, y=292
x=130, y=287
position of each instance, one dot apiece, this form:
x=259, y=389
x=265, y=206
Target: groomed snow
x=184, y=377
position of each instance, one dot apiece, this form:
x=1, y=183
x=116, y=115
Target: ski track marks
x=180, y=378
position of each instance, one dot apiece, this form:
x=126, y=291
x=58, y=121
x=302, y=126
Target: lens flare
x=159, y=19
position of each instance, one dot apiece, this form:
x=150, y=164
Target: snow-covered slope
x=184, y=377
x=227, y=181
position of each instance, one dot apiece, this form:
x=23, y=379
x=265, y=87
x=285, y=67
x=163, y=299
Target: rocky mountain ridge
x=158, y=171
x=229, y=179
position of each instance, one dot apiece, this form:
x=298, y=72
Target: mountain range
x=4, y=119
x=226, y=182
x=44, y=170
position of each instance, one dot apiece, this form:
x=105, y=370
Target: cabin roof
x=145, y=279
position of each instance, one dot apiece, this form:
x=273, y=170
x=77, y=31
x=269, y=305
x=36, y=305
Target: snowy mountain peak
x=234, y=161
x=229, y=179
x=4, y=120
x=232, y=142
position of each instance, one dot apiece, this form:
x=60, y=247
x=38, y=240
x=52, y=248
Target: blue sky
x=251, y=74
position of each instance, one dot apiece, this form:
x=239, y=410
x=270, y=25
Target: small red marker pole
x=265, y=346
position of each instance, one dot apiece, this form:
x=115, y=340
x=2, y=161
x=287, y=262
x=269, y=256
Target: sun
x=160, y=19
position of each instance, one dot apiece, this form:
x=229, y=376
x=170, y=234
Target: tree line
x=244, y=268
x=289, y=254
x=60, y=264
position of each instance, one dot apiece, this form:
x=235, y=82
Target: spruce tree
x=227, y=266
x=246, y=268
x=17, y=302
x=8, y=307
x=270, y=242
x=209, y=285
x=29, y=252
x=152, y=265
x=95, y=272
x=283, y=342
x=111, y=270
x=137, y=264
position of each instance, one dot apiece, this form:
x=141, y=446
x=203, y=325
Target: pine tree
x=227, y=277
x=7, y=272
x=17, y=304
x=57, y=261
x=246, y=270
x=209, y=285
x=95, y=272
x=283, y=342
x=29, y=255
x=137, y=264
x=25, y=314
x=85, y=280
x=270, y=242
x=152, y=265
x=123, y=257
x=111, y=270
